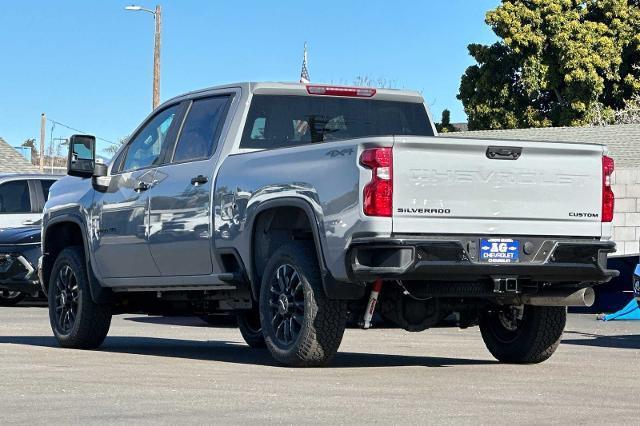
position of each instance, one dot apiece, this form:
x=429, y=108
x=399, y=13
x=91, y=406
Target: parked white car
x=22, y=197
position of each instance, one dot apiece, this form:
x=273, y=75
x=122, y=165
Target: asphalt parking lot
x=177, y=370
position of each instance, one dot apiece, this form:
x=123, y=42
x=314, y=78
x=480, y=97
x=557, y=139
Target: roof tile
x=623, y=140
x=12, y=162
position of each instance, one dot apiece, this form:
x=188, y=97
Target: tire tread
x=321, y=338
x=539, y=340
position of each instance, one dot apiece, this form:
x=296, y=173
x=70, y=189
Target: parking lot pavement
x=176, y=370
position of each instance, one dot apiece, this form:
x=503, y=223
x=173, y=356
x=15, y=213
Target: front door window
x=148, y=147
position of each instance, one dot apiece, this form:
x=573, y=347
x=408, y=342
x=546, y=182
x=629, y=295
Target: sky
x=88, y=64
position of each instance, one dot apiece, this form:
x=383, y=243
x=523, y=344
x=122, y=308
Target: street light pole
x=157, y=15
x=43, y=123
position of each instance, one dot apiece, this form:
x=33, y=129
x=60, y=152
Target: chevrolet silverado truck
x=300, y=208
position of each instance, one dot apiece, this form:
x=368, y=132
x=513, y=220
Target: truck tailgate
x=491, y=187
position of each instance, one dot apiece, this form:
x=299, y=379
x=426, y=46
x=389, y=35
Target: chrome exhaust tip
x=585, y=297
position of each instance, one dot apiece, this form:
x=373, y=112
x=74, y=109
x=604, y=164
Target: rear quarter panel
x=325, y=176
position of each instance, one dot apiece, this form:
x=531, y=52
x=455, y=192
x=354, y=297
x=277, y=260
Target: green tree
x=556, y=60
x=445, y=125
x=113, y=148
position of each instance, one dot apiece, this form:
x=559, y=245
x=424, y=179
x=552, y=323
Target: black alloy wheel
x=286, y=304
x=66, y=299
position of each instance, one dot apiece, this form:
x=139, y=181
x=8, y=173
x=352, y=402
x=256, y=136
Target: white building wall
x=626, y=218
x=623, y=142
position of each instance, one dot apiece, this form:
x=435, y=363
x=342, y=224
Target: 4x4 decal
x=340, y=152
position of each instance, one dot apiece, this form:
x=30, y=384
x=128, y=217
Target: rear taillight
x=378, y=193
x=357, y=92
x=608, y=198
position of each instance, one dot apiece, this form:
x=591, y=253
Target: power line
x=80, y=131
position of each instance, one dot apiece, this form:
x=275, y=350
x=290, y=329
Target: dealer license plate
x=499, y=250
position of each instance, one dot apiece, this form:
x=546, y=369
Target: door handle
x=141, y=186
x=199, y=180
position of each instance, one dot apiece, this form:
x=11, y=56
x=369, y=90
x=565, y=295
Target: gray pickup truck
x=301, y=208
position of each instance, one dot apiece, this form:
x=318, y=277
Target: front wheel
x=77, y=322
x=523, y=334
x=302, y=327
x=11, y=298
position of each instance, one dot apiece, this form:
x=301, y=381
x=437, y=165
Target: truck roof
x=300, y=89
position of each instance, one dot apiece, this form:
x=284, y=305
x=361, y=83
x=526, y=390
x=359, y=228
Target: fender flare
x=99, y=294
x=333, y=288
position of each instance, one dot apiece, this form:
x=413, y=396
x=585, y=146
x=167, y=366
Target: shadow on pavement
x=236, y=353
x=221, y=321
x=623, y=341
x=30, y=304
x=217, y=321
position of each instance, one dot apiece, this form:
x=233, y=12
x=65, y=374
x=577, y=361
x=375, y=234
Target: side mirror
x=82, y=155
x=101, y=178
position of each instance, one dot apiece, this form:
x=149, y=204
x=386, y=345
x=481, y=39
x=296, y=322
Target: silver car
x=22, y=197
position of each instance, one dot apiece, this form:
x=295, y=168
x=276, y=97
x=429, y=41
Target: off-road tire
x=250, y=328
x=11, y=300
x=537, y=336
x=323, y=319
x=92, y=320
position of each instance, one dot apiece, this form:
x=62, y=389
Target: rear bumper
x=456, y=259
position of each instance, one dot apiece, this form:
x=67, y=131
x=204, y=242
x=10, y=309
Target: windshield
x=276, y=121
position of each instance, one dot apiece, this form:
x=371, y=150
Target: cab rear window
x=281, y=121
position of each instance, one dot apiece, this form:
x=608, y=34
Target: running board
x=213, y=282
x=211, y=287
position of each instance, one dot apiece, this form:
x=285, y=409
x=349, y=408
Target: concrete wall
x=626, y=218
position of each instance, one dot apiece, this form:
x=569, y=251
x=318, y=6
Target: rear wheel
x=250, y=328
x=11, y=298
x=301, y=326
x=523, y=334
x=76, y=321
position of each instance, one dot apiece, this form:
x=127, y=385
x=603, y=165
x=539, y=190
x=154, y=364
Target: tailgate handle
x=504, y=152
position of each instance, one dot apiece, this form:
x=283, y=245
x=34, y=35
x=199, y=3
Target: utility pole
x=157, y=16
x=156, y=58
x=43, y=123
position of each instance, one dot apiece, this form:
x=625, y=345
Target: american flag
x=304, y=75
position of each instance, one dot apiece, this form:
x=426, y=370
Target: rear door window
x=14, y=197
x=46, y=184
x=200, y=131
x=276, y=121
